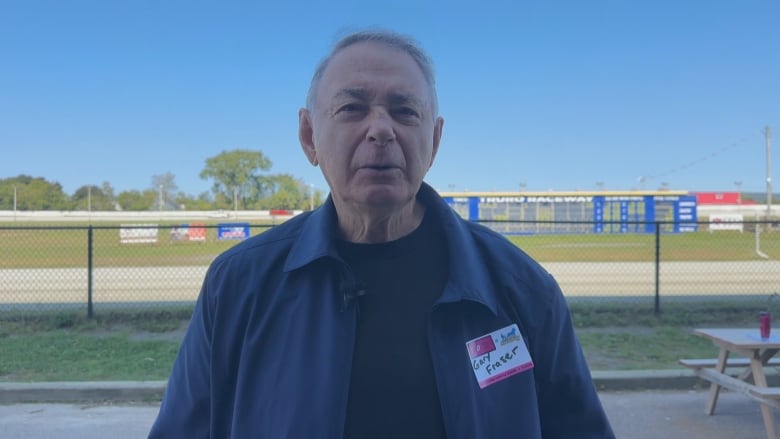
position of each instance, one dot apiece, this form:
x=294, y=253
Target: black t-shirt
x=392, y=392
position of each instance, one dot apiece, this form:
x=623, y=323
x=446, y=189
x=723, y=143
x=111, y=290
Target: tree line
x=240, y=180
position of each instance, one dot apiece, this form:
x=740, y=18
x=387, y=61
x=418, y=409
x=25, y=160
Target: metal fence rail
x=102, y=267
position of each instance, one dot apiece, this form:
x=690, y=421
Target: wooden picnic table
x=755, y=354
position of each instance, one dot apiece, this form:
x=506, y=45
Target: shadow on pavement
x=634, y=415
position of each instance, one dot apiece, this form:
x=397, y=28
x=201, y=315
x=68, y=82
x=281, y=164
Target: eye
x=350, y=108
x=406, y=112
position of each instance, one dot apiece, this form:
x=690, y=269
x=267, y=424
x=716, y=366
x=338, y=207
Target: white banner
x=726, y=221
x=138, y=233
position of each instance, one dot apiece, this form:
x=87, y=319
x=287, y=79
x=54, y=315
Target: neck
x=376, y=227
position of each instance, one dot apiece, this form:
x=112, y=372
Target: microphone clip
x=351, y=292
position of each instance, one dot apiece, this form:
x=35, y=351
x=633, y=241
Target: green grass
x=72, y=355
x=141, y=345
x=62, y=346
x=626, y=337
x=642, y=348
x=66, y=247
x=696, y=246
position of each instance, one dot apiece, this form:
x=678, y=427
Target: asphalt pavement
x=659, y=414
x=640, y=405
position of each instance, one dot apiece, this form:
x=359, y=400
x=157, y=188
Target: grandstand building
x=579, y=211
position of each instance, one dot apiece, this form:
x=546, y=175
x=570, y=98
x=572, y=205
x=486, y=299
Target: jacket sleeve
x=568, y=402
x=185, y=409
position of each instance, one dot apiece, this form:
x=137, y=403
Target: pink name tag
x=498, y=355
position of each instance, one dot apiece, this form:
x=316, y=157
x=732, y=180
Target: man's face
x=372, y=128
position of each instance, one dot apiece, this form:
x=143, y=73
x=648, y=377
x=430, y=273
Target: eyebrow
x=356, y=93
x=405, y=99
x=364, y=95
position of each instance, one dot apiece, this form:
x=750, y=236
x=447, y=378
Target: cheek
x=333, y=163
x=422, y=154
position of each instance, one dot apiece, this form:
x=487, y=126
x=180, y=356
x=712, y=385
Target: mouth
x=380, y=167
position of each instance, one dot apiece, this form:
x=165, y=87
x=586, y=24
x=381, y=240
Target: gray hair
x=388, y=38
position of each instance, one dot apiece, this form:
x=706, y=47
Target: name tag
x=498, y=355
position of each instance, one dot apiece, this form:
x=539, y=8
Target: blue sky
x=554, y=95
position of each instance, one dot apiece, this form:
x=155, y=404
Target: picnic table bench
x=756, y=354
x=697, y=363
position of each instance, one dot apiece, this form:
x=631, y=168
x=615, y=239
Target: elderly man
x=382, y=313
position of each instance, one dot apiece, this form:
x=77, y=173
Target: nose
x=380, y=128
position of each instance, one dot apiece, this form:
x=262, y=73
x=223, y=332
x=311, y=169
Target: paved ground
x=680, y=414
x=577, y=279
x=664, y=414
x=67, y=421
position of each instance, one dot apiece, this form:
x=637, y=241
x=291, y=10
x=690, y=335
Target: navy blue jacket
x=269, y=349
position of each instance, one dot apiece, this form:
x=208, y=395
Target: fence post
x=89, y=272
x=657, y=307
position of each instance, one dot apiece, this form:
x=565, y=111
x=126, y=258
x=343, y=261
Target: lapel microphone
x=351, y=290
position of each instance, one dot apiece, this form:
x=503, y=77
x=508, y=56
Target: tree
x=166, y=188
x=32, y=193
x=137, y=200
x=7, y=195
x=236, y=176
x=91, y=197
x=108, y=191
x=288, y=192
x=201, y=202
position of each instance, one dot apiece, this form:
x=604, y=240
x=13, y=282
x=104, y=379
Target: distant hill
x=760, y=197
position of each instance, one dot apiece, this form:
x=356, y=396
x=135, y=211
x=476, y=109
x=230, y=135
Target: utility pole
x=768, y=137
x=738, y=184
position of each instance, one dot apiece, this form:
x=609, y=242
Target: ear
x=306, y=135
x=438, y=125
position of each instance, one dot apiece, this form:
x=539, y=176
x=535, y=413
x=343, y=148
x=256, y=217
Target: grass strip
x=74, y=356
x=141, y=345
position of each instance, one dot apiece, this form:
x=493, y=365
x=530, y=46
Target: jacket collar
x=469, y=277
x=317, y=238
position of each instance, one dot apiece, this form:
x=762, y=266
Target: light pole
x=521, y=186
x=311, y=196
x=235, y=200
x=161, y=200
x=14, y=202
x=738, y=184
x=768, y=137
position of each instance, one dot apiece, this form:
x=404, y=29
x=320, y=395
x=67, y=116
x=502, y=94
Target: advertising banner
x=189, y=232
x=138, y=233
x=197, y=232
x=238, y=231
x=726, y=221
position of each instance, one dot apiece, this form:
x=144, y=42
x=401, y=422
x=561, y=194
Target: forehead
x=374, y=67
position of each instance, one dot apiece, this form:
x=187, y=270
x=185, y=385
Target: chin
x=384, y=196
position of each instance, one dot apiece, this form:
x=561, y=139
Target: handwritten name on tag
x=498, y=355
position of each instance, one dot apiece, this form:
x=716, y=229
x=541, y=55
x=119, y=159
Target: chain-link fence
x=140, y=266
x=738, y=261
x=94, y=267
